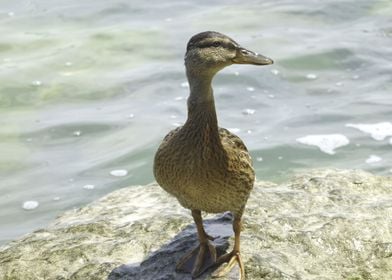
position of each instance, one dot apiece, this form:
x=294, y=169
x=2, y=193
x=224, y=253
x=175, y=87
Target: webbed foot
x=199, y=259
x=228, y=262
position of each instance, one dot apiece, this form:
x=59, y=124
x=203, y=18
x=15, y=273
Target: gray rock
x=325, y=224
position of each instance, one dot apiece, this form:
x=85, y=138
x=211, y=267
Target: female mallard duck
x=205, y=167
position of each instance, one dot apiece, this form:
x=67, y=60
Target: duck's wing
x=240, y=173
x=171, y=134
x=237, y=153
x=232, y=141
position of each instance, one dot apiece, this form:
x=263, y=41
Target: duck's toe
x=228, y=264
x=198, y=260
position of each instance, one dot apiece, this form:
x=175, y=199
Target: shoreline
x=322, y=224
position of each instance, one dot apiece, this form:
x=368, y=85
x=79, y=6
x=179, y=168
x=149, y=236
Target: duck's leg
x=234, y=256
x=203, y=256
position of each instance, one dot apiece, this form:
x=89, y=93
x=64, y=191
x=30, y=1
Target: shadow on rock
x=160, y=265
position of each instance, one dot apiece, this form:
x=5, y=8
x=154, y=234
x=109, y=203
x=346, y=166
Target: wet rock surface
x=323, y=224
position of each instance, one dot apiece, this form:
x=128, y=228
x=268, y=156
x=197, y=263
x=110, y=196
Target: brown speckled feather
x=202, y=174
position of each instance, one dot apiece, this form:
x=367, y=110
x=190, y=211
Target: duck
x=206, y=167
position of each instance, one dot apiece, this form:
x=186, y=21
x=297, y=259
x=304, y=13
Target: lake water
x=89, y=88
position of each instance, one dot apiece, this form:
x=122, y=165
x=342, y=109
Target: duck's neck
x=201, y=107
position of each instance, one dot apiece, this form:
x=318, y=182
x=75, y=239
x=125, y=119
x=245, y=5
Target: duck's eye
x=216, y=44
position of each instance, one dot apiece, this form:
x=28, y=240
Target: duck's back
x=203, y=175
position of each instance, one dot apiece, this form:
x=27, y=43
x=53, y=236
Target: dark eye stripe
x=215, y=44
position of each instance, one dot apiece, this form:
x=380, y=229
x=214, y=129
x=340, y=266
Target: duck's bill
x=245, y=56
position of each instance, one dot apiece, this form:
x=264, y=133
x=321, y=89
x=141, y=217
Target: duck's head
x=209, y=52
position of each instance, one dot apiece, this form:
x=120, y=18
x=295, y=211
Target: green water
x=88, y=87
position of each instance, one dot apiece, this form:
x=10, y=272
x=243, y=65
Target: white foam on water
x=234, y=130
x=119, y=173
x=184, y=85
x=88, y=187
x=250, y=89
x=275, y=71
x=77, y=133
x=339, y=84
x=311, y=76
x=30, y=205
x=355, y=77
x=67, y=74
x=373, y=159
x=36, y=83
x=248, y=111
x=377, y=131
x=327, y=143
x=177, y=124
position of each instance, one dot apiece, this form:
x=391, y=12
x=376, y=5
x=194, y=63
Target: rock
x=325, y=224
